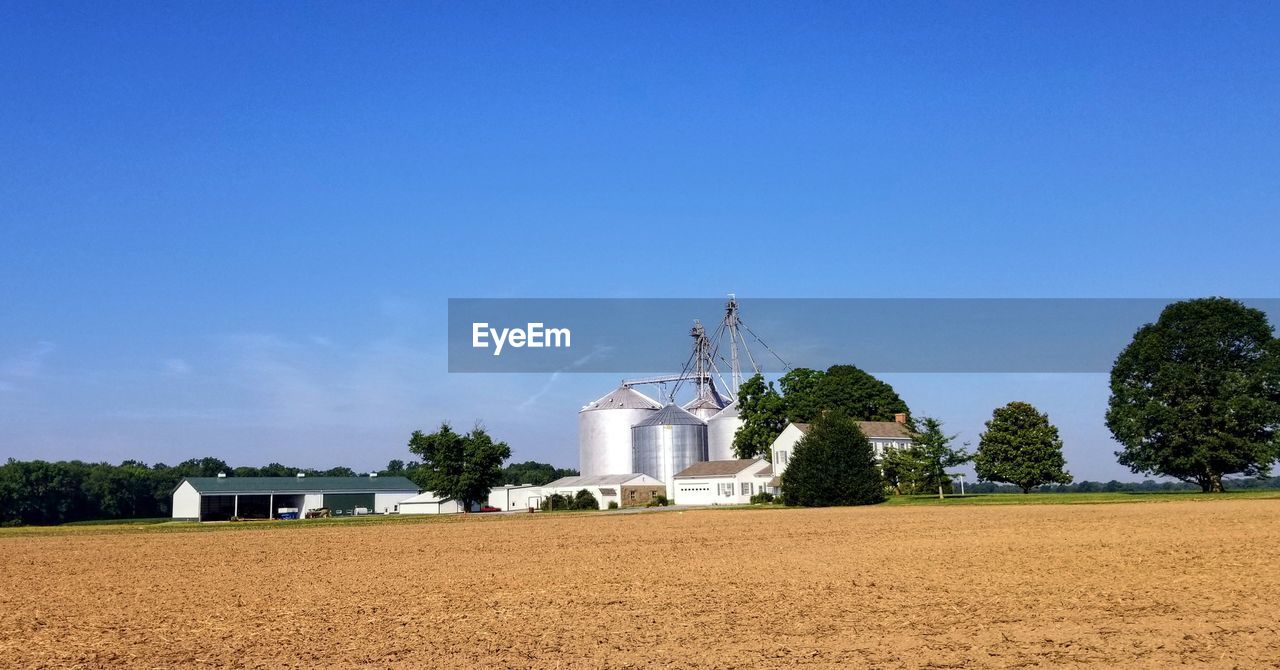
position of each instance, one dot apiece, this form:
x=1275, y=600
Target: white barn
x=722, y=482
x=223, y=498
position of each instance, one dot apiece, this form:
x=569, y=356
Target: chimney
x=900, y=417
x=222, y=475
x=301, y=475
x=373, y=474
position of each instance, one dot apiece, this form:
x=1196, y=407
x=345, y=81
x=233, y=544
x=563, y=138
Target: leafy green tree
x=833, y=464
x=1022, y=448
x=395, y=468
x=1196, y=395
x=462, y=467
x=805, y=395
x=763, y=417
x=933, y=450
x=533, y=472
x=854, y=393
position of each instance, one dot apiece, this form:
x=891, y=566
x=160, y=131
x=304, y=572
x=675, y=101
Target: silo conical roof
x=671, y=415
x=729, y=412
x=623, y=397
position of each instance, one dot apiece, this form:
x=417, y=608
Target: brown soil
x=1132, y=585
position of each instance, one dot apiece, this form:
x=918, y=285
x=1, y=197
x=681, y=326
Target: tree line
x=46, y=493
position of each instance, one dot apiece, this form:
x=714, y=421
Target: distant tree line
x=47, y=493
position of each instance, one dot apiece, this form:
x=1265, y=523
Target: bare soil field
x=1149, y=585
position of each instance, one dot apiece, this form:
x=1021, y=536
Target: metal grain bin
x=721, y=429
x=668, y=442
x=604, y=431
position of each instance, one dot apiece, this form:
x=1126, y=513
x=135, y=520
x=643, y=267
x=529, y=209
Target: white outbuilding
x=515, y=497
x=430, y=502
x=730, y=482
x=223, y=498
x=628, y=490
x=883, y=435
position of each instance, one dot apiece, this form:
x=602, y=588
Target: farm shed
x=515, y=497
x=221, y=498
x=430, y=502
x=628, y=490
x=722, y=482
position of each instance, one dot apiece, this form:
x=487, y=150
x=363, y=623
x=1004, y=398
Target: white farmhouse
x=881, y=434
x=722, y=482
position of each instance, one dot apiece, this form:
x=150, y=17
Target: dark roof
x=671, y=415
x=299, y=484
x=717, y=468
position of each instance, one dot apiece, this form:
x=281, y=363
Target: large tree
x=1196, y=395
x=1021, y=447
x=833, y=464
x=763, y=417
x=806, y=395
x=462, y=467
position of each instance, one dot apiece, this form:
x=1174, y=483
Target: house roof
x=300, y=484
x=717, y=468
x=594, y=480
x=881, y=429
x=766, y=472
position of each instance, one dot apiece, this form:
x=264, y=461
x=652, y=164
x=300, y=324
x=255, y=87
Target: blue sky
x=231, y=229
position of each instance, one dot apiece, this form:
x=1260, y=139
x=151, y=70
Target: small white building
x=430, y=502
x=722, y=482
x=881, y=434
x=628, y=490
x=223, y=498
x=516, y=497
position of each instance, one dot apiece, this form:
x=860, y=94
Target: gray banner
x=878, y=335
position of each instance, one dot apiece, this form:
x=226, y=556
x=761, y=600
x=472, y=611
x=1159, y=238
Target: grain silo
x=666, y=443
x=721, y=429
x=604, y=431
x=708, y=403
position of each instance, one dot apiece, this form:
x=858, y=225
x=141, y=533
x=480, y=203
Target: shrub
x=556, y=501
x=834, y=464
x=658, y=501
x=613, y=504
x=584, y=500
x=761, y=498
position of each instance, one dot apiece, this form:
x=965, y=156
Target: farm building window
x=746, y=488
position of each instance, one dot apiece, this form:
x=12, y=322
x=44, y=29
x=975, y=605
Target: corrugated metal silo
x=720, y=431
x=668, y=442
x=604, y=431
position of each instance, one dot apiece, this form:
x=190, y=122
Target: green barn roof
x=300, y=484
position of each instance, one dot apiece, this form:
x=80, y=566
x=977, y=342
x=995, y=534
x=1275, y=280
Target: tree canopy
x=1196, y=395
x=1021, y=447
x=833, y=464
x=462, y=467
x=922, y=466
x=533, y=472
x=805, y=395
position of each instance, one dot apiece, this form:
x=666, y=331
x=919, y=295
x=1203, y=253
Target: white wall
x=508, y=498
x=186, y=502
x=784, y=447
x=385, y=503
x=708, y=491
x=601, y=499
x=445, y=507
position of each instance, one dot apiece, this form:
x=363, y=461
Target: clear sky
x=230, y=229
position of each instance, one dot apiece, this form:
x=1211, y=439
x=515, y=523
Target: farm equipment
x=318, y=513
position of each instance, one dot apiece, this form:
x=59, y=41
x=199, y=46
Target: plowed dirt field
x=1151, y=585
